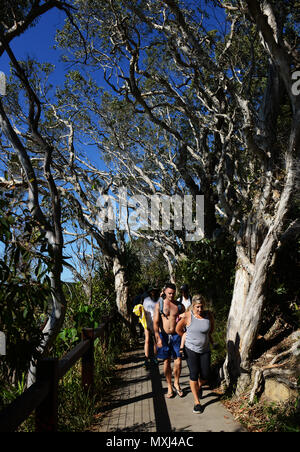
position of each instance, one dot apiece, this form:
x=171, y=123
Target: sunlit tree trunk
x=249, y=288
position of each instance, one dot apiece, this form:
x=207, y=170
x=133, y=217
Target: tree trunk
x=50, y=331
x=232, y=365
x=245, y=315
x=121, y=288
x=58, y=309
x=249, y=289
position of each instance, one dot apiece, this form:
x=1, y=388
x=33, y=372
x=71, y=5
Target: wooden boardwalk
x=138, y=403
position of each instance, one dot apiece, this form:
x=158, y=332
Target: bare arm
x=181, y=325
x=156, y=319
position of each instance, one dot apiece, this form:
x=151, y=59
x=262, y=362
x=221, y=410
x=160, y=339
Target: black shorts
x=198, y=363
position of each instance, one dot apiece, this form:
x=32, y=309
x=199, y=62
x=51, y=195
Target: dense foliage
x=24, y=292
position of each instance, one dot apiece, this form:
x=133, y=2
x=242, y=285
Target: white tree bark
x=121, y=288
x=249, y=295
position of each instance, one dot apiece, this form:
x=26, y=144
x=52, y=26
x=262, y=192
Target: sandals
x=170, y=395
x=179, y=391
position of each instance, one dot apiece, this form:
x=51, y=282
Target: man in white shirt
x=185, y=298
x=149, y=304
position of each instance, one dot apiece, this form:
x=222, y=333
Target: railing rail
x=42, y=396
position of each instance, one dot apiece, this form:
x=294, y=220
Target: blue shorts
x=170, y=346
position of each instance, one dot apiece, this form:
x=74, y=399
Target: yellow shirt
x=140, y=312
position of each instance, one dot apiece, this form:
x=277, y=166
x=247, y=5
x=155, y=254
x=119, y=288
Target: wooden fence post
x=87, y=369
x=46, y=412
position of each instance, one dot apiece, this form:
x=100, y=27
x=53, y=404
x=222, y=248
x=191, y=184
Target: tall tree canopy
x=21, y=120
x=199, y=100
x=221, y=103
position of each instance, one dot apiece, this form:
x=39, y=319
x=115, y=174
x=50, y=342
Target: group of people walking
x=175, y=328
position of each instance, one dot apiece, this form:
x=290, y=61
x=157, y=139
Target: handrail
x=72, y=357
x=42, y=395
x=19, y=410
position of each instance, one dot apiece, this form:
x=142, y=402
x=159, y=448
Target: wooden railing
x=42, y=396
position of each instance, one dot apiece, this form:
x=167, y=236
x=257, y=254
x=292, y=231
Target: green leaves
x=69, y=336
x=24, y=291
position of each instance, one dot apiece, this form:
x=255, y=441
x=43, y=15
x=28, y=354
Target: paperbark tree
x=50, y=224
x=15, y=19
x=143, y=174
x=91, y=117
x=226, y=102
x=268, y=219
x=86, y=186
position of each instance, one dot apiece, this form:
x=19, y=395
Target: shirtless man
x=167, y=340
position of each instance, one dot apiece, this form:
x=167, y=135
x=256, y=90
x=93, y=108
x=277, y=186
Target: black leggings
x=199, y=364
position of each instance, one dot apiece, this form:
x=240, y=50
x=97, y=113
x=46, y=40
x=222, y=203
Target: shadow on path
x=162, y=419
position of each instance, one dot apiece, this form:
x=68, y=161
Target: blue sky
x=37, y=42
